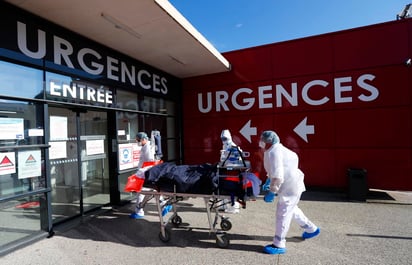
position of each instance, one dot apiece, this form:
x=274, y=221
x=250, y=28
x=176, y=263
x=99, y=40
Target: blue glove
x=265, y=187
x=269, y=197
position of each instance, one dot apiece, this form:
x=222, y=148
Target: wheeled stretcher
x=212, y=183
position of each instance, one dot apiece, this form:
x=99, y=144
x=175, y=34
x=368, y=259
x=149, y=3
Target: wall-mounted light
x=176, y=60
x=119, y=25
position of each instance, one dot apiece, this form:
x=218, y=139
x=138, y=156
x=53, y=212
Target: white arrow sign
x=302, y=129
x=248, y=131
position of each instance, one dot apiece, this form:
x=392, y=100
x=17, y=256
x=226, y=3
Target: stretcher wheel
x=226, y=225
x=177, y=220
x=166, y=237
x=222, y=240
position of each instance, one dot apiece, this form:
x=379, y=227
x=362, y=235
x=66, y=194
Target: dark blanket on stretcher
x=195, y=179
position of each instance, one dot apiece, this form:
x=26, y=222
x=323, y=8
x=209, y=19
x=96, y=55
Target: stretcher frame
x=213, y=202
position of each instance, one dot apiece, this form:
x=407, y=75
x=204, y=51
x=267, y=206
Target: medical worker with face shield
x=285, y=180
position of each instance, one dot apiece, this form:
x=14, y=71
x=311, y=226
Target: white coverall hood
x=226, y=138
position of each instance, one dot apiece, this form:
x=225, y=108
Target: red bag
x=134, y=184
x=151, y=163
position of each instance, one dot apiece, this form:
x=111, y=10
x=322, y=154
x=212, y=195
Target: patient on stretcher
x=195, y=179
x=169, y=177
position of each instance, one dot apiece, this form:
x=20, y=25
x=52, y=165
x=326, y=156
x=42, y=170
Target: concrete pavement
x=378, y=231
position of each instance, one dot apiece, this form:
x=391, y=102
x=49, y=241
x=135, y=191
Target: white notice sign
x=29, y=164
x=11, y=128
x=57, y=150
x=58, y=128
x=94, y=147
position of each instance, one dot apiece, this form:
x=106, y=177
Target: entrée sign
x=81, y=92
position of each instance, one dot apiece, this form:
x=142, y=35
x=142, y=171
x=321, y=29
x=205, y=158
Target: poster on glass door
x=29, y=164
x=129, y=155
x=7, y=163
x=58, y=137
x=11, y=128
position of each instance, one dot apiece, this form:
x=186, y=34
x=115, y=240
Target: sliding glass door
x=78, y=161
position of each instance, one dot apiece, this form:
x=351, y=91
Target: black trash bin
x=358, y=184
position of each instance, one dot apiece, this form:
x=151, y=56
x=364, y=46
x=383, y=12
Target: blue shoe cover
x=273, y=250
x=307, y=235
x=269, y=197
x=166, y=209
x=136, y=216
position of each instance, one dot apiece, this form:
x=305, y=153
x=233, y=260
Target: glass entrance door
x=94, y=160
x=78, y=161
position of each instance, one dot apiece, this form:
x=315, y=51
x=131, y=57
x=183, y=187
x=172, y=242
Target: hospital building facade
x=77, y=83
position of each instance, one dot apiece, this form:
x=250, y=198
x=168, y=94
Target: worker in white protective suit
x=285, y=180
x=230, y=157
x=146, y=155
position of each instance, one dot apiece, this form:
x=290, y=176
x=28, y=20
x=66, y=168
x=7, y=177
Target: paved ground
x=376, y=232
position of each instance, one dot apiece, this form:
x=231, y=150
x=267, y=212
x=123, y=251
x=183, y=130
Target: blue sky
x=237, y=24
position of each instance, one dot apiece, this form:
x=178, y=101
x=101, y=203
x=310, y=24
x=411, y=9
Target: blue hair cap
x=270, y=137
x=141, y=135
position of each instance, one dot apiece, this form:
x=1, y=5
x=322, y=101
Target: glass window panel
x=170, y=107
x=20, y=81
x=127, y=126
x=126, y=100
x=122, y=180
x=21, y=123
x=171, y=127
x=28, y=175
x=156, y=105
x=21, y=218
x=171, y=149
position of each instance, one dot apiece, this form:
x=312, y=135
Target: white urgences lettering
x=242, y=99
x=64, y=53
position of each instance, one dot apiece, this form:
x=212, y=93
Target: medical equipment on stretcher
x=211, y=182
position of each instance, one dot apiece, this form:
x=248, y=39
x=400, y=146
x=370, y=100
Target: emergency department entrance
x=72, y=103
x=78, y=161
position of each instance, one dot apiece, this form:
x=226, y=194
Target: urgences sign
x=275, y=96
x=64, y=52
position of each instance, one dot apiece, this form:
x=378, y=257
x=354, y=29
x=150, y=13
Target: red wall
x=353, y=88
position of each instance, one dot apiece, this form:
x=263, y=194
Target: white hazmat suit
x=286, y=180
x=230, y=155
